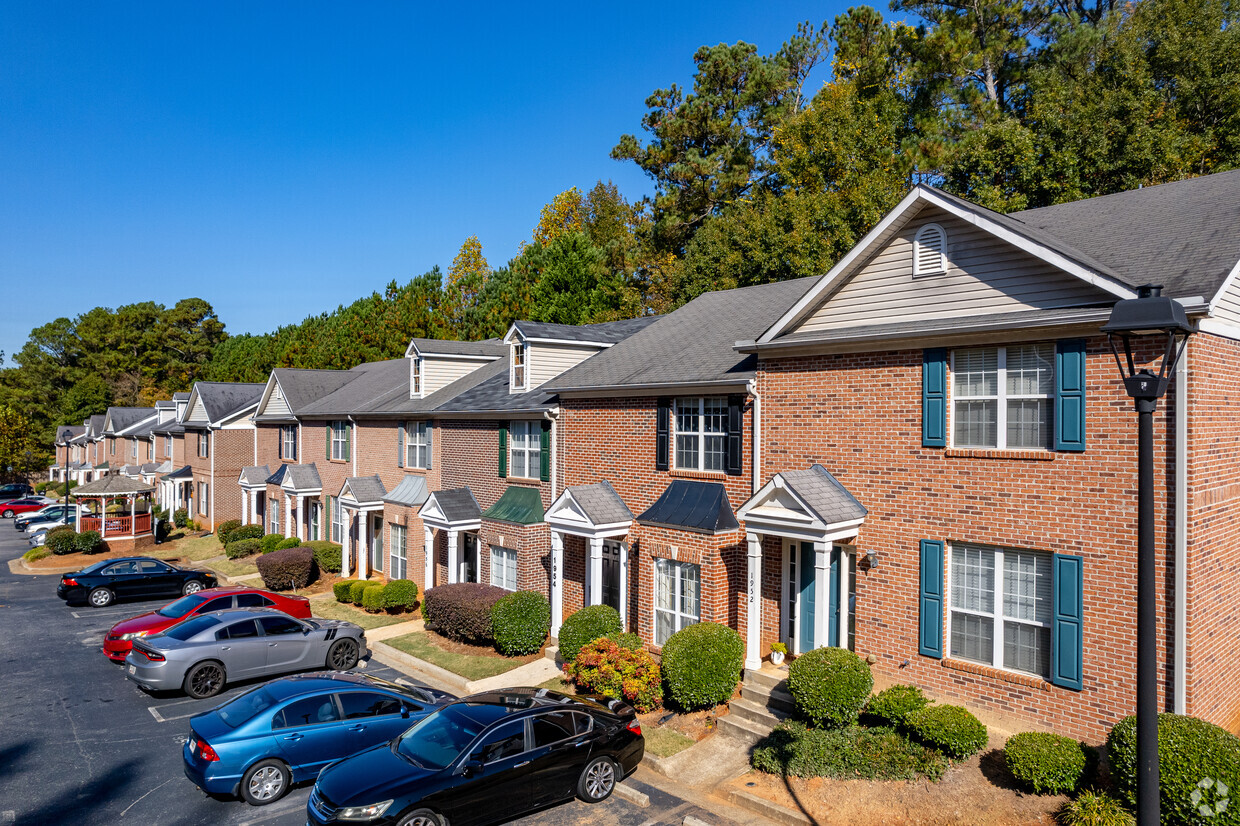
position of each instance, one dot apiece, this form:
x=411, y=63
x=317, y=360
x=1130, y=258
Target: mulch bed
x=79, y=561
x=456, y=647
x=696, y=725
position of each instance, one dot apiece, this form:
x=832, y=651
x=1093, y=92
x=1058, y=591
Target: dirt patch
x=77, y=562
x=456, y=647
x=696, y=725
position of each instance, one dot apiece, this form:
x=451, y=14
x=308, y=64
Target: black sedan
x=131, y=576
x=483, y=759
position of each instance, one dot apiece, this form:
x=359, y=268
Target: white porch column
x=596, y=571
x=557, y=581
x=345, y=567
x=364, y=540
x=842, y=636
x=245, y=507
x=753, y=626
x=454, y=574
x=301, y=517
x=624, y=586
x=428, y=551
x=822, y=598
x=288, y=515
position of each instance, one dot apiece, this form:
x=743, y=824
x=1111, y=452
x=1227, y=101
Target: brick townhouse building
x=118, y=445
x=174, y=477
x=219, y=441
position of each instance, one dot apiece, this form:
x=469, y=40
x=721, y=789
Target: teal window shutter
x=934, y=398
x=400, y=445
x=544, y=452
x=1067, y=620
x=930, y=634
x=503, y=450
x=1070, y=395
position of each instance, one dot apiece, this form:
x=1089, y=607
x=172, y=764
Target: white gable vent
x=930, y=250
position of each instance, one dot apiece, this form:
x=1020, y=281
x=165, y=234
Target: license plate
x=133, y=670
x=193, y=747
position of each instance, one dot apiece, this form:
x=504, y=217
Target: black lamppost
x=1150, y=314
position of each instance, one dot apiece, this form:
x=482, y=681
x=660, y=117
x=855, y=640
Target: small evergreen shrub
x=629, y=640
x=879, y=753
x=1092, y=808
x=1045, y=763
x=89, y=542
x=891, y=705
x=952, y=730
x=242, y=547
x=702, y=665
x=246, y=532
x=224, y=530
x=587, y=625
x=1198, y=766
x=329, y=555
x=372, y=599
x=61, y=542
x=180, y=517
x=830, y=686
x=462, y=610
x=602, y=667
x=288, y=568
x=519, y=623
x=400, y=595
x=270, y=542
x=356, y=587
x=341, y=590
x=291, y=542
x=35, y=554
x=41, y=486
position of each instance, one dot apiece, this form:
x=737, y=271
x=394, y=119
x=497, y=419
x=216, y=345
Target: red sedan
x=16, y=506
x=117, y=642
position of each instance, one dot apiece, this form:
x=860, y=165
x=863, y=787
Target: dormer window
x=930, y=250
x=415, y=377
x=519, y=356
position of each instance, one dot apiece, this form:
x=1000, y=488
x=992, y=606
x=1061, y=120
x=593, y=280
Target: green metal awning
x=101, y=466
x=518, y=504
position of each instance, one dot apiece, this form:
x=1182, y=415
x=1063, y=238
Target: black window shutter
x=736, y=435
x=544, y=452
x=662, y=430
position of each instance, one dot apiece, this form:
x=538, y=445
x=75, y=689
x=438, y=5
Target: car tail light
x=204, y=749
x=70, y=581
x=153, y=657
x=635, y=726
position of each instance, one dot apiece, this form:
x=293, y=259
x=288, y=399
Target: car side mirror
x=404, y=712
x=472, y=768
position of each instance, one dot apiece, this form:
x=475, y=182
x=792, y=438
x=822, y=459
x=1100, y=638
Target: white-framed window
x=150, y=450
x=315, y=516
x=930, y=250
x=399, y=567
x=1000, y=607
x=168, y=446
x=1003, y=397
x=520, y=355
x=204, y=443
x=337, y=517
x=340, y=440
x=677, y=597
x=273, y=517
x=418, y=444
x=504, y=568
x=203, y=489
x=701, y=437
x=133, y=448
x=415, y=376
x=525, y=449
x=111, y=447
x=288, y=442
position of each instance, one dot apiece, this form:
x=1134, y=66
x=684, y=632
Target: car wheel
x=100, y=598
x=598, y=780
x=420, y=817
x=8, y=514
x=204, y=680
x=265, y=782
x=342, y=656
x=191, y=587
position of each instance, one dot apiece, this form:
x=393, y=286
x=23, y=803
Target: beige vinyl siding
x=546, y=361
x=1228, y=307
x=276, y=404
x=440, y=371
x=199, y=412
x=984, y=275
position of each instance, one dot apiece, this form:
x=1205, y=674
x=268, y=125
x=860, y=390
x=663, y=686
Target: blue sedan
x=261, y=742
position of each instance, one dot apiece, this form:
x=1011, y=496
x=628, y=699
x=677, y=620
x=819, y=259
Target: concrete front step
x=775, y=699
x=739, y=728
x=757, y=713
x=766, y=679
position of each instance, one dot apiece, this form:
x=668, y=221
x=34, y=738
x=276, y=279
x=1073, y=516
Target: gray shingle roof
x=185, y=472
x=365, y=488
x=397, y=400
x=68, y=432
x=367, y=385
x=180, y=397
x=490, y=395
x=113, y=486
x=411, y=491
x=692, y=344
x=607, y=332
x=830, y=501
x=601, y=504
x=165, y=404
x=254, y=475
x=144, y=430
x=223, y=399
x=125, y=417
x=303, y=387
x=96, y=424
x=303, y=477
x=458, y=504
x=168, y=428
x=437, y=346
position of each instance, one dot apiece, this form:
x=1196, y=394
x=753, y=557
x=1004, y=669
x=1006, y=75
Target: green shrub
x=878, y=753
x=246, y=532
x=287, y=568
x=400, y=595
x=892, y=704
x=587, y=625
x=1196, y=761
x=41, y=486
x=519, y=623
x=462, y=610
x=180, y=517
x=356, y=587
x=89, y=542
x=242, y=547
x=271, y=542
x=830, y=685
x=341, y=589
x=328, y=555
x=224, y=530
x=372, y=599
x=291, y=542
x=61, y=529
x=629, y=640
x=953, y=730
x=602, y=667
x=61, y=542
x=702, y=665
x=1093, y=808
x=1045, y=763
x=33, y=554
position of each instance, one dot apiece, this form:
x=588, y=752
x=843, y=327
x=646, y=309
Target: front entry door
x=611, y=574
x=807, y=591
x=469, y=557
x=802, y=600
x=376, y=542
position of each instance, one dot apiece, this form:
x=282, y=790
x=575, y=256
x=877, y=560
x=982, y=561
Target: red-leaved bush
x=462, y=610
x=287, y=568
x=602, y=667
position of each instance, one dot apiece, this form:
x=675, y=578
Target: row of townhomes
x=925, y=455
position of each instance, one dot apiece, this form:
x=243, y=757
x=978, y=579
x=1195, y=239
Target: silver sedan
x=202, y=654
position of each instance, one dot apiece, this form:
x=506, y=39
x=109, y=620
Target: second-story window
x=204, y=445
x=519, y=357
x=418, y=445
x=133, y=448
x=111, y=447
x=340, y=441
x=168, y=446
x=525, y=449
x=150, y=450
x=415, y=376
x=702, y=433
x=1002, y=397
x=288, y=442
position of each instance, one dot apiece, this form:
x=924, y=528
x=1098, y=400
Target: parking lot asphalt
x=80, y=743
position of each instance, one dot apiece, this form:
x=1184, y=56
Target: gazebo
x=133, y=525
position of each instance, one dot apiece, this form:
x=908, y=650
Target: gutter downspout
x=756, y=482
x=1180, y=659
x=211, y=484
x=352, y=433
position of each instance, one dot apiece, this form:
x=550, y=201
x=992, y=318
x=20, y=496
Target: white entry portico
x=456, y=513
x=360, y=496
x=597, y=514
x=301, y=487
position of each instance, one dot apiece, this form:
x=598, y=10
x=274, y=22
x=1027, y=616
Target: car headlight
x=131, y=636
x=370, y=812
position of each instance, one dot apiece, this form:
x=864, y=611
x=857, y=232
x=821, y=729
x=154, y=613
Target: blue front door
x=805, y=573
x=806, y=611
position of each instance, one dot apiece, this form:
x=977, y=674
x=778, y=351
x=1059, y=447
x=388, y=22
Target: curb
x=432, y=675
x=639, y=799
x=767, y=809
x=658, y=765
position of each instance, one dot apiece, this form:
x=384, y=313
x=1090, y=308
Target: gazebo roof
x=113, y=486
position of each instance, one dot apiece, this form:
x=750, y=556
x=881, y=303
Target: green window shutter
x=348, y=442
x=736, y=435
x=1070, y=395
x=934, y=398
x=930, y=634
x=329, y=441
x=662, y=432
x=503, y=451
x=1067, y=625
x=544, y=453
x=400, y=445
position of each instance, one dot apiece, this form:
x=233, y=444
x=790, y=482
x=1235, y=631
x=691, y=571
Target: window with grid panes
x=525, y=449
x=340, y=436
x=1000, y=601
x=168, y=446
x=202, y=498
x=337, y=517
x=273, y=517
x=702, y=433
x=415, y=376
x=418, y=444
x=288, y=442
x=1003, y=397
x=519, y=354
x=399, y=567
x=133, y=448
x=202, y=445
x=677, y=597
x=504, y=568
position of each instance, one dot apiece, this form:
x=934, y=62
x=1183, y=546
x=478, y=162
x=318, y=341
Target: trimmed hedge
x=356, y=587
x=400, y=595
x=291, y=542
x=61, y=542
x=242, y=547
x=953, y=730
x=519, y=623
x=1045, y=763
x=830, y=686
x=602, y=667
x=587, y=625
x=341, y=590
x=286, y=569
x=1093, y=808
x=629, y=640
x=878, y=753
x=462, y=610
x=372, y=599
x=702, y=665
x=893, y=704
x=180, y=517
x=246, y=532
x=224, y=530
x=328, y=555
x=1196, y=760
x=271, y=542
x=89, y=542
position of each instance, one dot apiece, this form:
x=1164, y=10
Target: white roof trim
x=512, y=331
x=567, y=516
x=240, y=414
x=916, y=198
x=134, y=426
x=287, y=486
x=413, y=350
x=1225, y=286
x=261, y=409
x=433, y=517
x=757, y=519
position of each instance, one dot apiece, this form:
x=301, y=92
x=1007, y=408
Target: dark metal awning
x=692, y=506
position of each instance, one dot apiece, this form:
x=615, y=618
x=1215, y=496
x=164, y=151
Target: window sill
x=712, y=475
x=1027, y=680
x=992, y=453
x=417, y=470
x=522, y=480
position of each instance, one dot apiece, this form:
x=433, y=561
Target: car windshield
x=182, y=606
x=191, y=627
x=439, y=739
x=243, y=709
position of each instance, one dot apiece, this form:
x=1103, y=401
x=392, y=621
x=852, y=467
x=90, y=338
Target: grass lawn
x=330, y=609
x=559, y=684
x=469, y=666
x=664, y=742
x=236, y=567
x=198, y=548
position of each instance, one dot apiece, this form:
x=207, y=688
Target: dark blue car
x=261, y=742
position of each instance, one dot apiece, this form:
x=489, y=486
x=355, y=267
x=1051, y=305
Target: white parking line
x=276, y=810
x=127, y=611
x=160, y=717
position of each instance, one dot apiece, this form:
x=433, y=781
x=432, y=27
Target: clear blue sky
x=281, y=158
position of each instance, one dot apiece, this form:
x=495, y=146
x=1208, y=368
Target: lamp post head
x=1150, y=314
